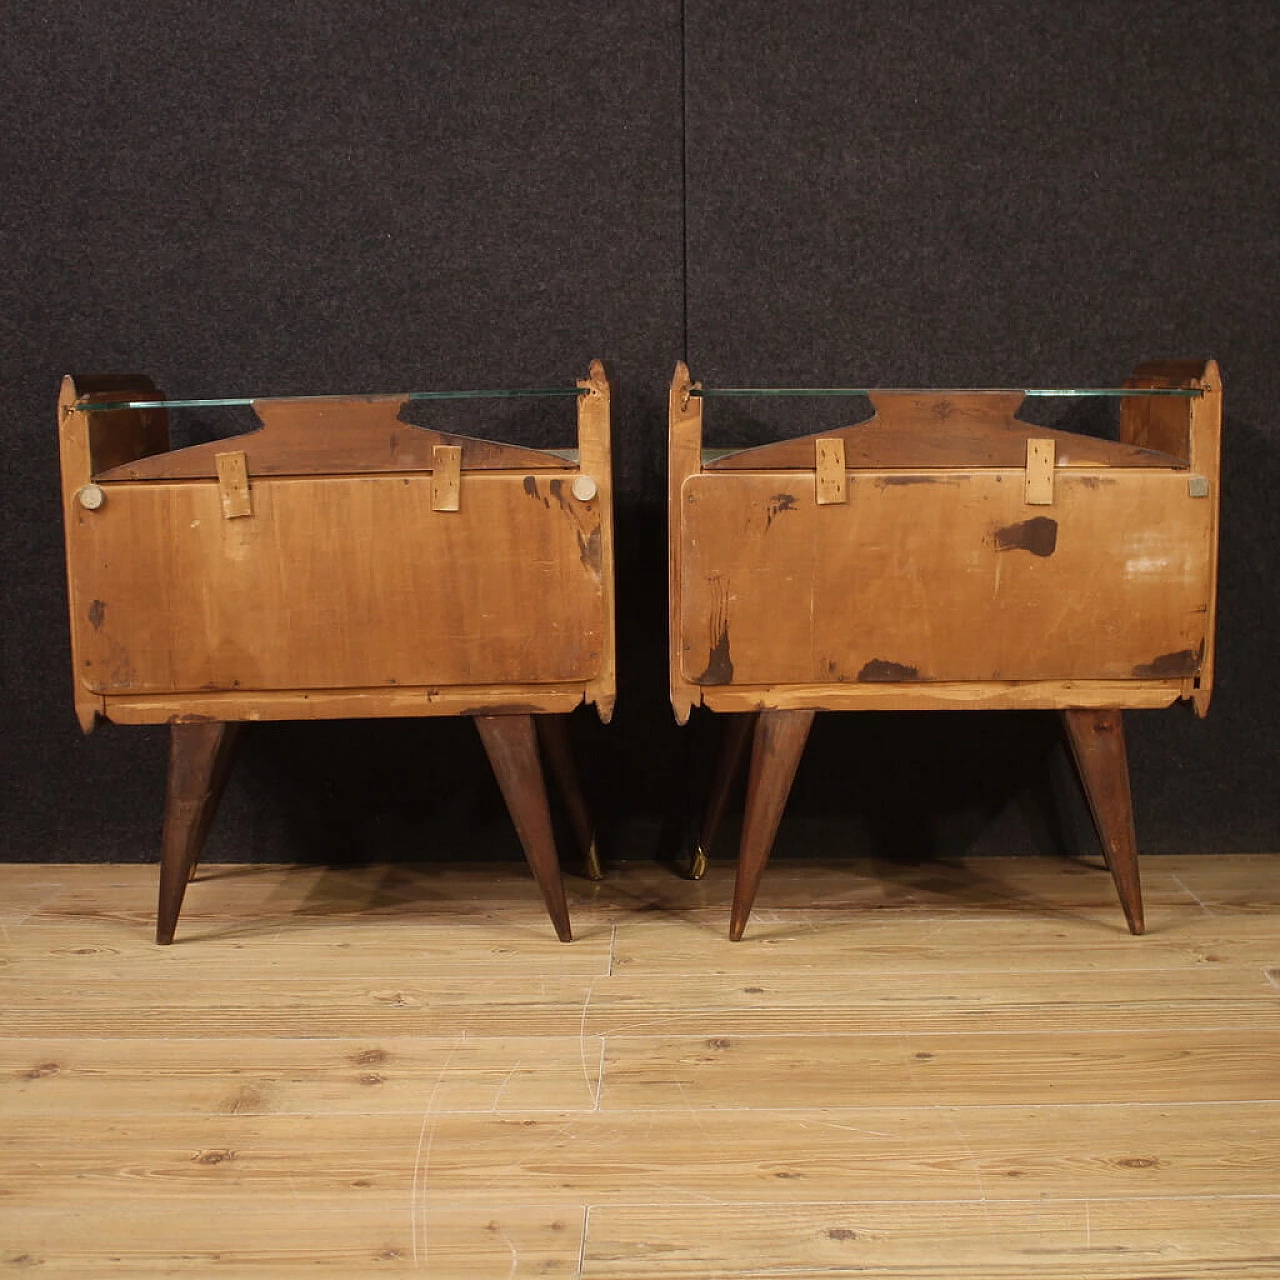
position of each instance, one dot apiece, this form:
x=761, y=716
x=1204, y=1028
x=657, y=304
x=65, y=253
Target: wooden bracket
x=1041, y=458
x=830, y=467
x=446, y=477
x=233, y=485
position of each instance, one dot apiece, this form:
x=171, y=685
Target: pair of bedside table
x=338, y=562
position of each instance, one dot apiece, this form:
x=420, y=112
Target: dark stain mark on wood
x=1089, y=482
x=878, y=670
x=941, y=410
x=1039, y=536
x=531, y=488
x=841, y=1233
x=779, y=503
x=1170, y=666
x=719, y=668
x=41, y=1071
x=213, y=1157
x=97, y=611
x=1139, y=1162
x=885, y=482
x=370, y=1057
x=589, y=551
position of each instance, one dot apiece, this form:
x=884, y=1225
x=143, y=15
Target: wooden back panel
x=940, y=579
x=339, y=582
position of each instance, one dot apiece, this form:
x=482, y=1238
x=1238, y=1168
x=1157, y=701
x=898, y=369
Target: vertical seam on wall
x=684, y=176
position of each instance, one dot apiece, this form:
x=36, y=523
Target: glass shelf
x=241, y=401
x=1186, y=392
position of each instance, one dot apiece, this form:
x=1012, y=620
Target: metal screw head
x=584, y=487
x=91, y=497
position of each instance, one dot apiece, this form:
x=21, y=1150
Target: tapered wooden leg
x=1097, y=743
x=553, y=734
x=224, y=758
x=733, y=749
x=200, y=759
x=776, y=748
x=512, y=745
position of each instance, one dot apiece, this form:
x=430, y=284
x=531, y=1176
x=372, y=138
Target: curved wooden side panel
x=87, y=444
x=595, y=471
x=684, y=459
x=1192, y=430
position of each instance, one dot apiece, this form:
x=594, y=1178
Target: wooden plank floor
x=960, y=1069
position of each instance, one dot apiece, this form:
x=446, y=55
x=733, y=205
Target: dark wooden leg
x=1097, y=743
x=224, y=758
x=737, y=734
x=775, y=754
x=512, y=745
x=553, y=734
x=200, y=759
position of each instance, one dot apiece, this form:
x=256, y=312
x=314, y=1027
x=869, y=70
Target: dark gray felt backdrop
x=247, y=198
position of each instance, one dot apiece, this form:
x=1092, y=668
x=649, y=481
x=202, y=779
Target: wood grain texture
x=564, y=1159
x=299, y=1077
x=1102, y=1239
x=829, y=942
x=343, y=1238
x=983, y=1069
x=942, y=578
x=501, y=591
x=360, y=1081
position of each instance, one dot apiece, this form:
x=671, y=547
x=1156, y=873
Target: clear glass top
x=933, y=391
x=239, y=401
